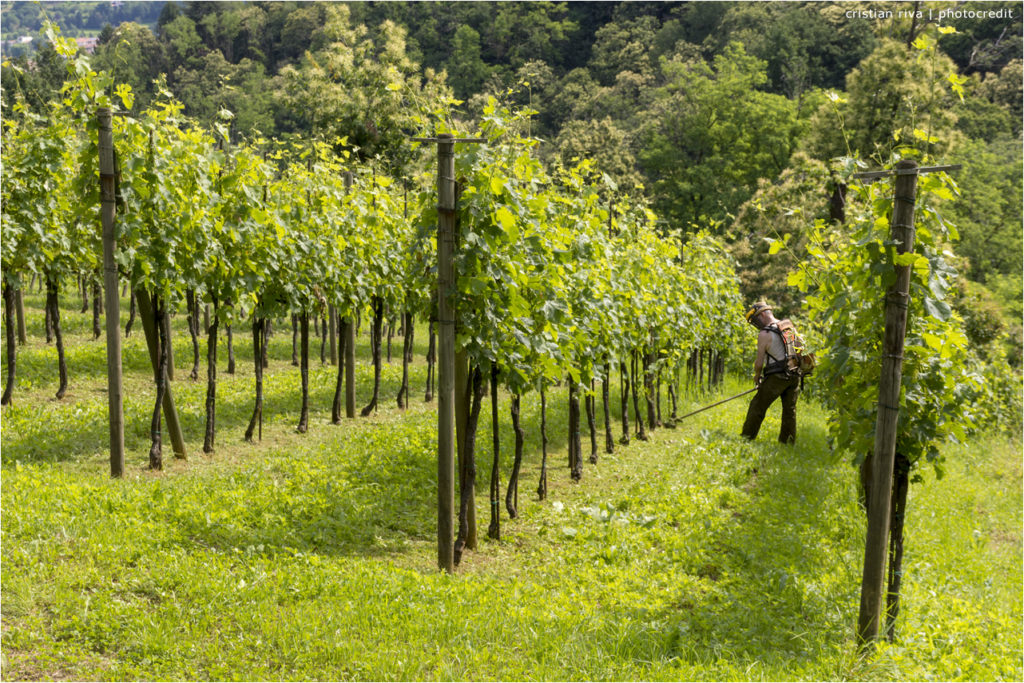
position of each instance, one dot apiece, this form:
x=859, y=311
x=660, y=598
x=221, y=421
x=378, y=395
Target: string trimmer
x=724, y=400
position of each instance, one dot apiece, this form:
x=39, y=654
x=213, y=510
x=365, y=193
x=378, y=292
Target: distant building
x=87, y=45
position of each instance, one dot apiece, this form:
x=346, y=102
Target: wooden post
x=897, y=301
x=170, y=412
x=349, y=329
x=446, y=353
x=108, y=208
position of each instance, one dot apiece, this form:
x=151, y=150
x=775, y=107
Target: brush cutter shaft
x=724, y=400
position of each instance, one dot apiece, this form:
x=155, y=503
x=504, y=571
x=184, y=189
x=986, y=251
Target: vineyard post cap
x=444, y=137
x=875, y=175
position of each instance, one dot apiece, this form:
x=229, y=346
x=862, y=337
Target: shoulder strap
x=775, y=328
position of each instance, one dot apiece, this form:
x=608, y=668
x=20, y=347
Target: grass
x=694, y=556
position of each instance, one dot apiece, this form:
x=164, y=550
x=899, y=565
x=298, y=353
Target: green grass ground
x=694, y=556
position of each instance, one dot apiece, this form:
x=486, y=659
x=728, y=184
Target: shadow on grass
x=781, y=576
x=77, y=427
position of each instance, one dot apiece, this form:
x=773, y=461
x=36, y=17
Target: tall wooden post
x=349, y=329
x=897, y=300
x=446, y=353
x=115, y=402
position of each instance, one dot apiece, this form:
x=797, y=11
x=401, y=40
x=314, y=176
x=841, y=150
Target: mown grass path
x=694, y=556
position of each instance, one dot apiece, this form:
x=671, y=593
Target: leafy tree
x=711, y=134
x=168, y=13
x=769, y=233
x=467, y=70
x=1004, y=89
x=34, y=82
x=604, y=143
x=988, y=215
x=805, y=45
x=895, y=98
x=519, y=32
x=135, y=57
x=568, y=95
x=363, y=89
x=185, y=48
x=986, y=45
x=623, y=46
x=216, y=85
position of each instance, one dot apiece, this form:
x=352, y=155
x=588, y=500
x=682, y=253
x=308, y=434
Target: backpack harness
x=796, y=361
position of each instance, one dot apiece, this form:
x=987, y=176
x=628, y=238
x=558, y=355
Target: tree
x=361, y=87
x=605, y=143
x=621, y=47
x=805, y=45
x=710, y=134
x=987, y=45
x=467, y=70
x=133, y=56
x=894, y=98
x=1004, y=89
x=184, y=46
x=519, y=32
x=769, y=234
x=988, y=213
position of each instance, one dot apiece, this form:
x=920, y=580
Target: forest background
x=732, y=117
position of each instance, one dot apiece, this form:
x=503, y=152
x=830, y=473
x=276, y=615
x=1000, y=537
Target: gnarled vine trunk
x=192, y=304
x=512, y=493
x=12, y=349
x=211, y=382
x=257, y=413
x=378, y=321
x=83, y=290
x=304, y=370
x=97, y=310
x=231, y=350
x=53, y=305
x=265, y=346
x=494, y=528
x=641, y=433
x=131, y=315
x=391, y=334
x=338, y=387
x=295, y=340
x=898, y=510
x=431, y=358
x=624, y=399
x=467, y=471
x=542, y=486
x=591, y=399
x=575, y=459
x=403, y=391
x=323, y=340
x=160, y=376
x=609, y=438
x=19, y=300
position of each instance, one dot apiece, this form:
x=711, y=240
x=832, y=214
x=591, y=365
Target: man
x=774, y=372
